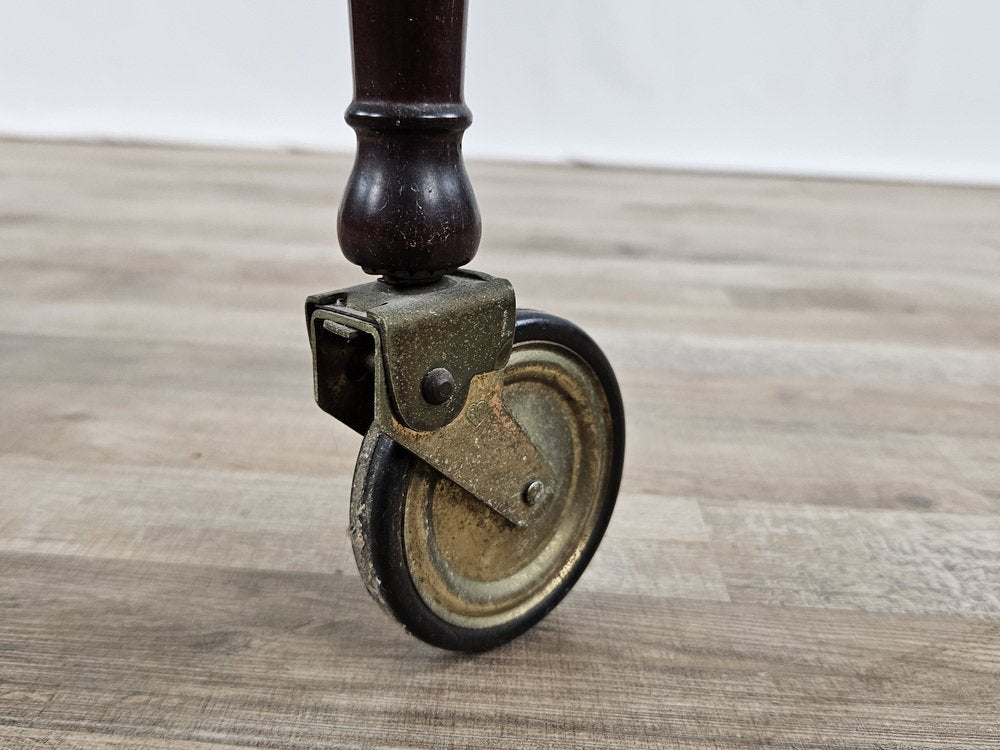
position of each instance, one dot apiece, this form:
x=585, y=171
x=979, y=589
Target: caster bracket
x=377, y=348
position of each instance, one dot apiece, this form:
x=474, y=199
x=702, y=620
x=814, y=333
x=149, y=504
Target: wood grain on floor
x=806, y=552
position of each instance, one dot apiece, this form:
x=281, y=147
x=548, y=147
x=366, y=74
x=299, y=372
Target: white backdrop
x=885, y=88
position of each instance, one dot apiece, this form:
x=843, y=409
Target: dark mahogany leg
x=409, y=213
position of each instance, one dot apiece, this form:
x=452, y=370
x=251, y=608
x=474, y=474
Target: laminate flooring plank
x=290, y=659
x=805, y=553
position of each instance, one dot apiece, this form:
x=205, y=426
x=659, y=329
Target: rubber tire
x=384, y=491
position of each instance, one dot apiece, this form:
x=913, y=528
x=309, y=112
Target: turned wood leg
x=409, y=213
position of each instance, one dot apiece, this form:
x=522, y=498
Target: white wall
x=889, y=88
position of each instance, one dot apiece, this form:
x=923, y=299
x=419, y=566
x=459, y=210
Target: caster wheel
x=457, y=574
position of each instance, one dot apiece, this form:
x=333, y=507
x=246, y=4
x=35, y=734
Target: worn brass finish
x=464, y=322
x=472, y=438
x=486, y=451
x=469, y=566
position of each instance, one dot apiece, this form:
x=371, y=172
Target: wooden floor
x=806, y=551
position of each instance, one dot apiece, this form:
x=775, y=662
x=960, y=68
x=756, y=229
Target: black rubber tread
x=388, y=477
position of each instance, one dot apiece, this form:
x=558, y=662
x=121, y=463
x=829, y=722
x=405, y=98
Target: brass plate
x=465, y=322
x=472, y=567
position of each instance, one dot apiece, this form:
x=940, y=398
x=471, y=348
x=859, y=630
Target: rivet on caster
x=493, y=437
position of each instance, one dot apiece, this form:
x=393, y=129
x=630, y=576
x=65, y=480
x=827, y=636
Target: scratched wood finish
x=806, y=552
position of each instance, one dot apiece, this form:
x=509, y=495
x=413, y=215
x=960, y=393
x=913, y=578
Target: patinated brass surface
x=464, y=323
x=472, y=567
